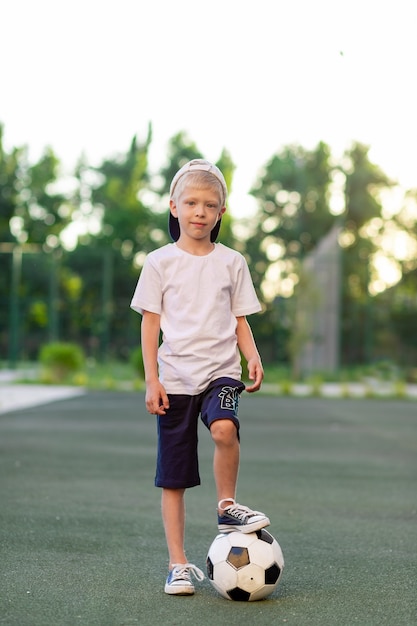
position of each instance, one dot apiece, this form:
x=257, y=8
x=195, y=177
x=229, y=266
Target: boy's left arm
x=248, y=348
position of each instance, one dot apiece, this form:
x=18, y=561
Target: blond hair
x=199, y=180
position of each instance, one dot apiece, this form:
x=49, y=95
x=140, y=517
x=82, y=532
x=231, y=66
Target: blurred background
x=308, y=109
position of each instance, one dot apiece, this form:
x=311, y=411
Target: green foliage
x=383, y=370
x=136, y=361
x=9, y=189
x=126, y=223
x=39, y=313
x=363, y=179
x=316, y=385
x=86, y=287
x=292, y=193
x=293, y=216
x=286, y=387
x=403, y=310
x=364, y=182
x=60, y=359
x=400, y=389
x=180, y=150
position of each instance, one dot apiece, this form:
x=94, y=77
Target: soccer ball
x=245, y=566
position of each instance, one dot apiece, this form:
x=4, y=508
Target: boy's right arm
x=156, y=398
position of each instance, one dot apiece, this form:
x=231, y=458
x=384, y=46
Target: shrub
x=316, y=386
x=286, y=387
x=60, y=359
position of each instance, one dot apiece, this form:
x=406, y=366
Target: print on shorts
x=229, y=398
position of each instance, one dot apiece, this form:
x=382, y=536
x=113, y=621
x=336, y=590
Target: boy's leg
x=231, y=516
x=177, y=469
x=219, y=414
x=226, y=459
x=173, y=517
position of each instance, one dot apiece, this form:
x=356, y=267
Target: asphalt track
x=81, y=537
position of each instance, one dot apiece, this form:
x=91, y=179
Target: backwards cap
x=193, y=166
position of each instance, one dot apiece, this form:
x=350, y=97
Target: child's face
x=198, y=211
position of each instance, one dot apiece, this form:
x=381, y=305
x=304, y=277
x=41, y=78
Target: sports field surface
x=82, y=541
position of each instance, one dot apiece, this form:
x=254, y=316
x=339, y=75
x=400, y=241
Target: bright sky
x=251, y=77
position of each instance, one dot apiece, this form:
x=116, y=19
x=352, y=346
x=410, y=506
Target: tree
x=103, y=264
x=396, y=310
x=9, y=188
x=293, y=213
x=30, y=206
x=364, y=182
x=297, y=208
x=9, y=179
x=31, y=220
x=84, y=248
x=181, y=149
x=293, y=216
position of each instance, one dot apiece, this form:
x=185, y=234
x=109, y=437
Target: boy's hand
x=256, y=374
x=156, y=399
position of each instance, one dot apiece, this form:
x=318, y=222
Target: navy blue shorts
x=177, y=462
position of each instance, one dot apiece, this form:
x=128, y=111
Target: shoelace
x=183, y=571
x=239, y=512
x=236, y=510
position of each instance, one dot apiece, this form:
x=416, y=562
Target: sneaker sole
x=179, y=591
x=244, y=528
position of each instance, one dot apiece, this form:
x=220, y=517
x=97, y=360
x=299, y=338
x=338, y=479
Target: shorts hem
x=176, y=485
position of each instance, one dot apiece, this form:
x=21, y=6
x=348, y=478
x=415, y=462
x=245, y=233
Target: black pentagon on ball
x=264, y=535
x=238, y=594
x=238, y=557
x=210, y=568
x=272, y=574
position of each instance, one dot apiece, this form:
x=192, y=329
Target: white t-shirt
x=198, y=299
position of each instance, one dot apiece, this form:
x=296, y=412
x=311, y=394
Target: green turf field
x=82, y=541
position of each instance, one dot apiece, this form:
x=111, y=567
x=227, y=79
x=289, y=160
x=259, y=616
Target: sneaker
x=179, y=579
x=241, y=518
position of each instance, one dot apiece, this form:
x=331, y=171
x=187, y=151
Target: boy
x=198, y=293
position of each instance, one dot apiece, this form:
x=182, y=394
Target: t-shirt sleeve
x=244, y=298
x=148, y=292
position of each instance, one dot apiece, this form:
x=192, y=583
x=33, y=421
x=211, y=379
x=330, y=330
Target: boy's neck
x=197, y=247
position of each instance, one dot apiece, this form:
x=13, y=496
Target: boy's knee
x=224, y=431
